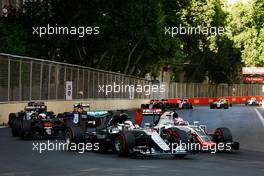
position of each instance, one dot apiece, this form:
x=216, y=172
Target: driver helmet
x=79, y=108
x=128, y=124
x=123, y=116
x=42, y=116
x=175, y=115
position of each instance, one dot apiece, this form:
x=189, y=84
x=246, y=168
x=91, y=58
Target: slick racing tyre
x=11, y=119
x=15, y=127
x=124, y=143
x=25, y=129
x=223, y=135
x=74, y=134
x=173, y=137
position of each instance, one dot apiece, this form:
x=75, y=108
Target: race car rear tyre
x=74, y=134
x=15, y=127
x=25, y=129
x=222, y=135
x=124, y=143
x=11, y=119
x=225, y=106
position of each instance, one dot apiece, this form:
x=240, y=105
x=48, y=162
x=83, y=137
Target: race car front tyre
x=222, y=135
x=124, y=143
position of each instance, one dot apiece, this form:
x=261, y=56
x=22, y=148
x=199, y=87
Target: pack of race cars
x=155, y=129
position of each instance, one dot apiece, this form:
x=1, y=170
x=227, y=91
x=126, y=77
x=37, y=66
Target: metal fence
x=24, y=79
x=196, y=90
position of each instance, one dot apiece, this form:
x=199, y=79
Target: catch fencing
x=198, y=90
x=26, y=79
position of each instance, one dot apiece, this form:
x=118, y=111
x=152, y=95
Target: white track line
x=260, y=116
x=3, y=126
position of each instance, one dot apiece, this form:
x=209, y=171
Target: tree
x=246, y=22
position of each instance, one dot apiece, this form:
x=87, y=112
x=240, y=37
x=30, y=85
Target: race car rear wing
x=151, y=111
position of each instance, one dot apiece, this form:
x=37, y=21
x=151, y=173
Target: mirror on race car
x=204, y=128
x=146, y=125
x=196, y=123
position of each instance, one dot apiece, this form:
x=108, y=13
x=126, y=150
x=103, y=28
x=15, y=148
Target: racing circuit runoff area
x=17, y=156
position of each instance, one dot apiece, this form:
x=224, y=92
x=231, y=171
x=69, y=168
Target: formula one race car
x=253, y=102
x=96, y=127
x=145, y=140
x=195, y=134
x=35, y=122
x=116, y=132
x=184, y=104
x=221, y=103
x=68, y=118
x=164, y=105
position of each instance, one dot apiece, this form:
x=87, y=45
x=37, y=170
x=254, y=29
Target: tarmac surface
x=17, y=157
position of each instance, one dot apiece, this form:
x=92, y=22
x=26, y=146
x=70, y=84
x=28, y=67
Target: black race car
x=95, y=127
x=35, y=122
x=116, y=132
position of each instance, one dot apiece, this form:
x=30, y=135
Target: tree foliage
x=247, y=25
x=132, y=38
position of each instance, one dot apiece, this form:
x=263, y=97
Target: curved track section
x=18, y=158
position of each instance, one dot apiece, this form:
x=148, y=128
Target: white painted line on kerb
x=260, y=116
x=3, y=126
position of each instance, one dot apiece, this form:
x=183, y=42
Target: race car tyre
x=15, y=127
x=174, y=136
x=225, y=106
x=25, y=129
x=11, y=118
x=223, y=135
x=74, y=134
x=50, y=114
x=124, y=143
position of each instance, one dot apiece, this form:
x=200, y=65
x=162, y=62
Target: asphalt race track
x=18, y=158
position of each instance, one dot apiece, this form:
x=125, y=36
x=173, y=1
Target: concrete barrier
x=63, y=106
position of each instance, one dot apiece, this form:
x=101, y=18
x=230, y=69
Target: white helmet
x=129, y=124
x=43, y=116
